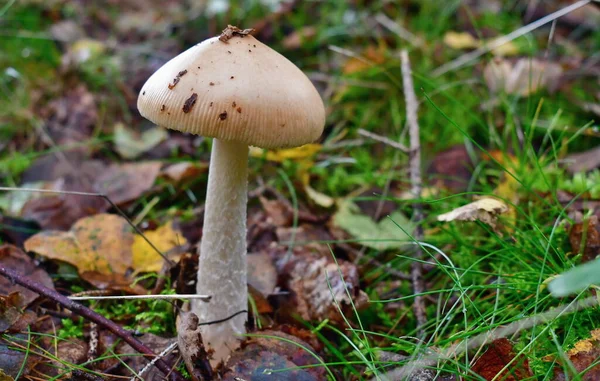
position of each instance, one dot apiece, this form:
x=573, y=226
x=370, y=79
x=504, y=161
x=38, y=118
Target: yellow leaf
x=318, y=197
x=165, y=238
x=461, y=40
x=297, y=153
x=100, y=243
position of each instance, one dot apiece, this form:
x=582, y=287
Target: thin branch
x=148, y=366
x=416, y=185
x=91, y=316
x=383, y=139
x=204, y=298
x=401, y=32
x=433, y=357
x=468, y=57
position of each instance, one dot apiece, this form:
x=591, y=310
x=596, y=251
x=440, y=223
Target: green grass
x=494, y=277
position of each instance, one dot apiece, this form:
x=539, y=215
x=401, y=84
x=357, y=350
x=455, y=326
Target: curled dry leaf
x=131, y=144
x=485, y=210
x=15, y=259
x=523, y=77
x=275, y=355
x=584, y=358
x=499, y=362
x=191, y=347
x=318, y=289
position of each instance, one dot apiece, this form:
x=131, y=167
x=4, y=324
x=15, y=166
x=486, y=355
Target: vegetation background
x=513, y=124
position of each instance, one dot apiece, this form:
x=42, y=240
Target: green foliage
x=71, y=329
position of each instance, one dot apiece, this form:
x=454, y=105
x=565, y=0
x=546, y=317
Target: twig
x=468, y=57
x=416, y=185
x=148, y=366
x=91, y=316
x=383, y=139
x=399, y=30
x=433, y=357
x=205, y=298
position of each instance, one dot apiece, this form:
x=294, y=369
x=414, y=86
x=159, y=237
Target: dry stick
x=91, y=316
x=416, y=185
x=466, y=58
x=430, y=360
x=383, y=139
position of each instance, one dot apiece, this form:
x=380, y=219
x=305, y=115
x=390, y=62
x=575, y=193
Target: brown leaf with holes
x=15, y=259
x=583, y=355
x=283, y=354
x=317, y=287
x=585, y=238
x=498, y=355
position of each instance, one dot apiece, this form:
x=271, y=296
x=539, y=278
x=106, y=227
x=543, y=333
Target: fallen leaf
x=452, y=169
x=382, y=235
x=71, y=118
x=101, y=243
x=131, y=144
x=262, y=274
x=14, y=361
x=319, y=198
x=10, y=312
x=370, y=57
x=191, y=347
x=183, y=171
x=298, y=37
x=584, y=358
x=279, y=213
x=164, y=238
x=461, y=40
x=105, y=251
x=318, y=289
x=498, y=355
x=464, y=40
x=277, y=353
x=297, y=153
x=485, y=210
x=583, y=161
x=585, y=238
x=524, y=77
x=127, y=182
x=15, y=259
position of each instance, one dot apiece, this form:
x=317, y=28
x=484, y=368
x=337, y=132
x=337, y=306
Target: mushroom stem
x=222, y=266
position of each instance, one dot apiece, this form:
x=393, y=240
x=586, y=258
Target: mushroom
x=242, y=93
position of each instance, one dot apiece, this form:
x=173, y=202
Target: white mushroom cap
x=235, y=90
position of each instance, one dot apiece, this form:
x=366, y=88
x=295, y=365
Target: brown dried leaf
x=183, y=171
x=452, y=169
x=127, y=182
x=582, y=356
x=16, y=260
x=524, y=77
x=262, y=274
x=498, y=355
x=485, y=210
x=317, y=287
x=281, y=356
x=191, y=347
x=585, y=238
x=583, y=161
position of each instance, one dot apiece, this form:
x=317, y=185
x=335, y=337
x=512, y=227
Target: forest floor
x=365, y=261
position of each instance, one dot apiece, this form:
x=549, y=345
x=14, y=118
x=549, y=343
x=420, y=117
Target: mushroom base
x=222, y=266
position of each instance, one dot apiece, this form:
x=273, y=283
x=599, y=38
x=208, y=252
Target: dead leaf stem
x=92, y=316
